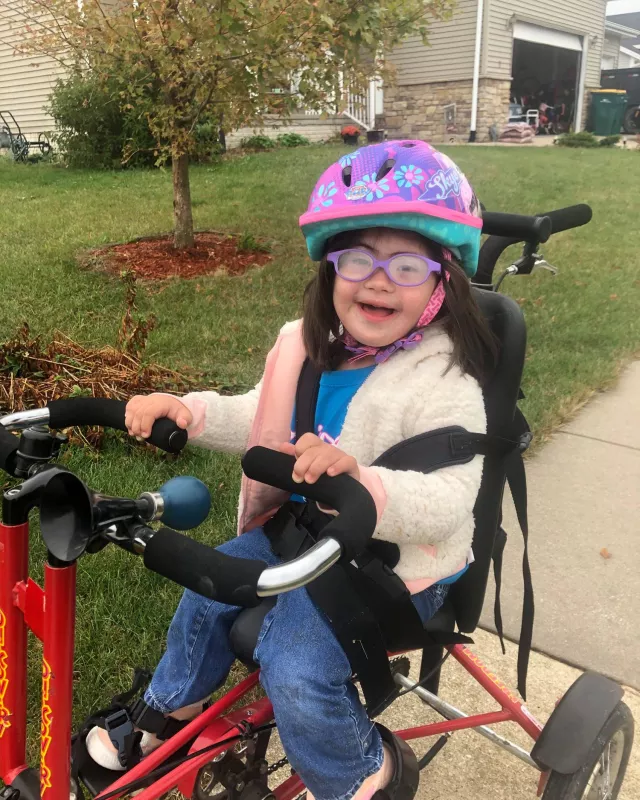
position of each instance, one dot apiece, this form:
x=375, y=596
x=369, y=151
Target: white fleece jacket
x=429, y=516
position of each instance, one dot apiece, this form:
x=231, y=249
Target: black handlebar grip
x=517, y=226
x=357, y=519
x=106, y=413
x=8, y=447
x=562, y=219
x=204, y=570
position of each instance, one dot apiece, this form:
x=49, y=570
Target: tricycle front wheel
x=600, y=778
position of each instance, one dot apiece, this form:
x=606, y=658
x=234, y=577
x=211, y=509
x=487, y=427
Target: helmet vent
x=346, y=175
x=408, y=144
x=385, y=168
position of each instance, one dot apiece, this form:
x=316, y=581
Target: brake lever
x=542, y=263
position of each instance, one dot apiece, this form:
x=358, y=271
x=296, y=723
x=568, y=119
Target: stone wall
x=493, y=107
x=418, y=111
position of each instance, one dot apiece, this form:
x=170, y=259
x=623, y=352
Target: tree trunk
x=182, y=218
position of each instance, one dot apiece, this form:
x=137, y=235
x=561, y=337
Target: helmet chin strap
x=411, y=340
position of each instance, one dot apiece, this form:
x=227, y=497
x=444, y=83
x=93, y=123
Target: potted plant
x=350, y=134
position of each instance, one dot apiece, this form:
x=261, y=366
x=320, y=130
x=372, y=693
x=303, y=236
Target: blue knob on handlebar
x=187, y=502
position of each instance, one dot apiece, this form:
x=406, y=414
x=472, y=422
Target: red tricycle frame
x=50, y=614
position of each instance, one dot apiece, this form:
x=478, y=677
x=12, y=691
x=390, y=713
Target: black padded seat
x=245, y=630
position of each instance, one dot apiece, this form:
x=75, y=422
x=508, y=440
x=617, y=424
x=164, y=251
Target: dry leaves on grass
x=33, y=372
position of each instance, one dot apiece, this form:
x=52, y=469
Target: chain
x=278, y=765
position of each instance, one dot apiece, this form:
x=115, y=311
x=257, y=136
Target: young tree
x=175, y=60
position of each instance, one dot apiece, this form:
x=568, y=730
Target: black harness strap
x=498, y=551
x=307, y=399
x=517, y=480
x=336, y=595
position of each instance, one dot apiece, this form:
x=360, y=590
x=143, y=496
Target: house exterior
x=622, y=41
x=26, y=84
x=489, y=53
x=25, y=81
x=495, y=50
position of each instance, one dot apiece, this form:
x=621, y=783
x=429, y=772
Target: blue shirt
x=335, y=393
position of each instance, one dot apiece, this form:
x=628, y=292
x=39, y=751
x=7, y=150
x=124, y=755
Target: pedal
x=97, y=779
x=9, y=793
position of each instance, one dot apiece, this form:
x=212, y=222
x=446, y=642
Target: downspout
x=476, y=72
x=584, y=56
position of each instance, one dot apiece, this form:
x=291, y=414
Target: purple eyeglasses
x=404, y=269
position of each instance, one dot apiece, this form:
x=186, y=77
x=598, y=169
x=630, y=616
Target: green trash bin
x=607, y=111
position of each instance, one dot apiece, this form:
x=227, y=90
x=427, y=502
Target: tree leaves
x=174, y=60
x=179, y=58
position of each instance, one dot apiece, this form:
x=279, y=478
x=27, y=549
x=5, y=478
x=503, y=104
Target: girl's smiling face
x=376, y=311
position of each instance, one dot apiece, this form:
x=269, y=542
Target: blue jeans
x=324, y=728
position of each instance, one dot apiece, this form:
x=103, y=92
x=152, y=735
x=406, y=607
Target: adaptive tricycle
x=581, y=752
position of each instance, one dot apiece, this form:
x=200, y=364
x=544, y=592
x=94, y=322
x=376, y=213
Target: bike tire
x=585, y=783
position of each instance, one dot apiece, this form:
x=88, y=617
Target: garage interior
x=545, y=78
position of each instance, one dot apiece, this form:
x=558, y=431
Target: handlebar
x=517, y=226
x=232, y=580
x=506, y=230
x=357, y=515
x=570, y=217
x=81, y=411
x=238, y=581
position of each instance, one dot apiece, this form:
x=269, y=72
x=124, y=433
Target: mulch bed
x=155, y=259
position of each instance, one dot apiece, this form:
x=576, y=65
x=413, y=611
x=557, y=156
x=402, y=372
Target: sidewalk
x=584, y=523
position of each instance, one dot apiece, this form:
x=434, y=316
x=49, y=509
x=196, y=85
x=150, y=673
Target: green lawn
x=582, y=325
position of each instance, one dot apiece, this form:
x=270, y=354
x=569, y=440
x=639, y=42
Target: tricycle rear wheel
x=600, y=778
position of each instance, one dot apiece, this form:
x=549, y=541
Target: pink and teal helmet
x=404, y=184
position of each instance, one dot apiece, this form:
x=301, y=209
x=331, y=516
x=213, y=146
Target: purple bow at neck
x=381, y=354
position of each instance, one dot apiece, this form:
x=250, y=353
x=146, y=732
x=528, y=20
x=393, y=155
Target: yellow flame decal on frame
x=493, y=678
x=5, y=714
x=45, y=730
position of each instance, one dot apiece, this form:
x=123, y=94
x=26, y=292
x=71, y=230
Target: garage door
x=536, y=33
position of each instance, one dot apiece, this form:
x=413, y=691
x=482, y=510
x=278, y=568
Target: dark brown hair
x=475, y=348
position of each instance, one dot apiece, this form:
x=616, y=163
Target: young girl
x=390, y=320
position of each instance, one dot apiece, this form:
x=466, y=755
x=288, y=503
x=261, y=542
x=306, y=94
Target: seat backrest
x=501, y=395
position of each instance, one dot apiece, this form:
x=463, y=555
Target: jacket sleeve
x=427, y=509
x=222, y=422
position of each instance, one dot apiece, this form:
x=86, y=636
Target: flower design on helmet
x=323, y=196
x=409, y=176
x=345, y=161
x=376, y=188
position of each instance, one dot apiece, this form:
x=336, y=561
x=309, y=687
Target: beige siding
x=578, y=16
x=611, y=49
x=25, y=82
x=314, y=127
x=449, y=56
